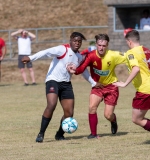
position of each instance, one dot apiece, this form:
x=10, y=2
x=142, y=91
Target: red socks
x=147, y=125
x=93, y=121
x=115, y=119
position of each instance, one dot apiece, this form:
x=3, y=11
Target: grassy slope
x=46, y=13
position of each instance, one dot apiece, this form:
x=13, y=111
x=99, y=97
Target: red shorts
x=109, y=93
x=141, y=101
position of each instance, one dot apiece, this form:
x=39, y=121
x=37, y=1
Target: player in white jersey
x=58, y=84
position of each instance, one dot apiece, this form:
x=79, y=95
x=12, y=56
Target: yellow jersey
x=140, y=56
x=102, y=69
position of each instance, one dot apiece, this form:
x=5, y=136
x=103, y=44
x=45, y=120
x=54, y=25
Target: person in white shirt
x=58, y=80
x=24, y=49
x=145, y=21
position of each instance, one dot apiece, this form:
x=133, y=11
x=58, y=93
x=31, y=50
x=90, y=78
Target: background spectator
x=2, y=52
x=145, y=21
x=24, y=49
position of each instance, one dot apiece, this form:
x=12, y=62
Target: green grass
x=21, y=110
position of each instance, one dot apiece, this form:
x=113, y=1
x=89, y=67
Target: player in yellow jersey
x=138, y=60
x=102, y=62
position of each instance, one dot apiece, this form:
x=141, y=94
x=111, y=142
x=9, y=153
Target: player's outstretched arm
x=25, y=59
x=133, y=73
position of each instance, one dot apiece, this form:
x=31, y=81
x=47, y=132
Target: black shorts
x=21, y=64
x=64, y=90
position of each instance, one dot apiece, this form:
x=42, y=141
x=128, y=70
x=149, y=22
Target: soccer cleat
x=34, y=84
x=40, y=138
x=93, y=136
x=114, y=126
x=26, y=84
x=59, y=137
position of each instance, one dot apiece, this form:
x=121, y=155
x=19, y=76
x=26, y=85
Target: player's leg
x=52, y=98
x=0, y=70
x=110, y=116
x=68, y=108
x=141, y=105
x=29, y=66
x=138, y=117
x=111, y=94
x=66, y=98
x=21, y=65
x=93, y=119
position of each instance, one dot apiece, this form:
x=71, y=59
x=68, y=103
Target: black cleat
x=26, y=84
x=93, y=136
x=34, y=84
x=59, y=137
x=114, y=126
x=40, y=138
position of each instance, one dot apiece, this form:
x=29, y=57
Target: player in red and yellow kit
x=138, y=60
x=2, y=49
x=2, y=52
x=102, y=64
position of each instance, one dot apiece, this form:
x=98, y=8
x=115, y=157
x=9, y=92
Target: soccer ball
x=69, y=125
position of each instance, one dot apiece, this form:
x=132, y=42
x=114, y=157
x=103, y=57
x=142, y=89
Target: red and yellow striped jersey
x=102, y=69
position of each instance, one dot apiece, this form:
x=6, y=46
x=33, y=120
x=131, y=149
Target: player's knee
x=92, y=110
x=68, y=114
x=50, y=108
x=108, y=116
x=135, y=120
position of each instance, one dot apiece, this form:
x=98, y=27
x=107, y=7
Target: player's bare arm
x=133, y=73
x=4, y=50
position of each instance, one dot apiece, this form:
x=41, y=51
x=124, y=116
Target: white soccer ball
x=69, y=125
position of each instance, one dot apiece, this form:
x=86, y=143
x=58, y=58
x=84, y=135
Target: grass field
x=21, y=110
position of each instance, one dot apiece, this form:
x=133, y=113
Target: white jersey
x=145, y=23
x=24, y=46
x=62, y=56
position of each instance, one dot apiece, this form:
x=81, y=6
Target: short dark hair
x=77, y=34
x=146, y=11
x=102, y=37
x=133, y=35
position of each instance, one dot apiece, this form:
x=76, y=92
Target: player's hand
x=25, y=59
x=98, y=85
x=120, y=84
x=71, y=68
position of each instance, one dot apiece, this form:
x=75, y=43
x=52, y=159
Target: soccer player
x=2, y=49
x=102, y=64
x=58, y=80
x=138, y=60
x=2, y=52
x=24, y=49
